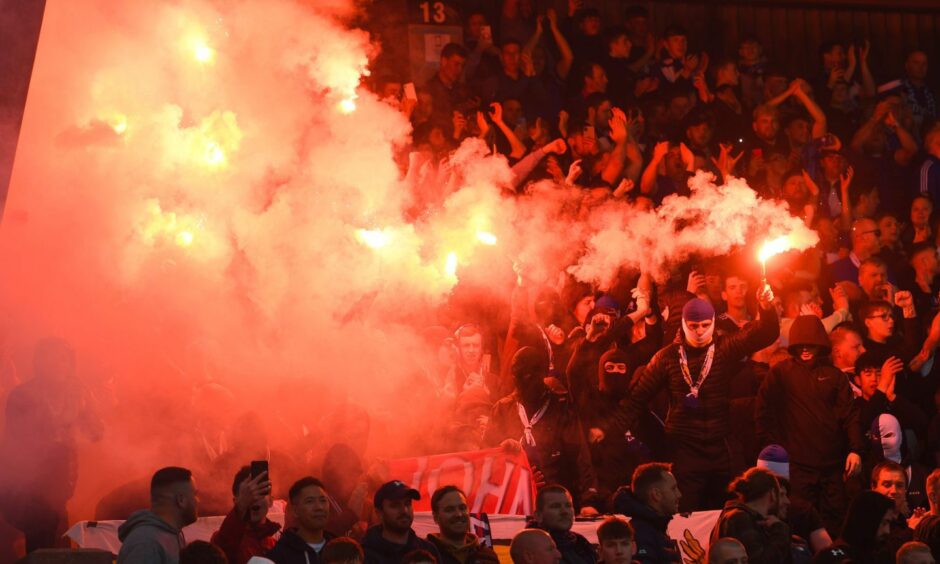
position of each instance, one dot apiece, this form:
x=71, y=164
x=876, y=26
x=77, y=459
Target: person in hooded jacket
x=697, y=370
x=155, y=536
x=650, y=502
x=754, y=518
x=806, y=405
x=393, y=538
x=545, y=424
x=865, y=530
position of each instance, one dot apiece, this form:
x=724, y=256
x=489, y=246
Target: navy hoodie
x=381, y=551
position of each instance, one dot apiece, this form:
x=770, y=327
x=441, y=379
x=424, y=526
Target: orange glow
x=450, y=266
x=486, y=238
x=774, y=247
x=373, y=238
x=347, y=106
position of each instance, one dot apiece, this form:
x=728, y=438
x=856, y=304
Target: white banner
x=691, y=532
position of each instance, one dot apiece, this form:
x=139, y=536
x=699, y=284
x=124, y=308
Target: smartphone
x=410, y=93
x=258, y=467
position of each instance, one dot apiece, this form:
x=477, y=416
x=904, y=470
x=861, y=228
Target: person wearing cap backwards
x=547, y=426
x=697, y=369
x=393, y=538
x=805, y=404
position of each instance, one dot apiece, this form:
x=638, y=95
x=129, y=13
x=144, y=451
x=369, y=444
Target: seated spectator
x=155, y=536
x=650, y=502
x=393, y=538
x=864, y=532
x=419, y=556
x=915, y=553
x=309, y=507
x=202, y=552
x=246, y=530
x=927, y=526
x=342, y=550
x=754, y=517
x=615, y=544
x=455, y=543
x=803, y=519
x=727, y=551
x=533, y=546
x=554, y=512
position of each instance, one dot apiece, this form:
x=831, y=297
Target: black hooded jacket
x=574, y=548
x=653, y=544
x=809, y=408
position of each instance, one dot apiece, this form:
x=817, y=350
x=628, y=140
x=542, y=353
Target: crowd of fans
x=804, y=407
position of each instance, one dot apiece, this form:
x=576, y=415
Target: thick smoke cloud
x=209, y=208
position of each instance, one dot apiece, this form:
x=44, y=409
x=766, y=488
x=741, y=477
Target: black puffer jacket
x=653, y=544
x=710, y=421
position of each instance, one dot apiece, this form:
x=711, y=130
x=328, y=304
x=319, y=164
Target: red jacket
x=240, y=540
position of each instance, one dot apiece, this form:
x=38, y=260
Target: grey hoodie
x=147, y=539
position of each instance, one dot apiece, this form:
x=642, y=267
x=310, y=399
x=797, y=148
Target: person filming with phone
x=246, y=530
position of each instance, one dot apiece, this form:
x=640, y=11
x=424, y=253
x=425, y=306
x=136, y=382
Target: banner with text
x=495, y=481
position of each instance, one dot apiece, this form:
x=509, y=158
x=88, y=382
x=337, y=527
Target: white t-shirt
x=317, y=546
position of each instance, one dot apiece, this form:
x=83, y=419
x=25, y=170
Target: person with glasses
x=881, y=335
x=866, y=243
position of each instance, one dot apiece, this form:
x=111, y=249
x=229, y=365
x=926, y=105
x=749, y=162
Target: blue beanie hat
x=775, y=459
x=607, y=302
x=698, y=309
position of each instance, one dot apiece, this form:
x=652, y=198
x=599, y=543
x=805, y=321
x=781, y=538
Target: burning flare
x=772, y=248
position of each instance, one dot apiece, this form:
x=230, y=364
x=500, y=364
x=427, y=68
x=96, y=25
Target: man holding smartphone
x=246, y=530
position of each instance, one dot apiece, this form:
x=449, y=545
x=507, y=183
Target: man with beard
x=554, y=512
x=246, y=530
x=155, y=536
x=754, y=517
x=697, y=370
x=547, y=426
x=455, y=542
x=393, y=538
x=309, y=505
x=650, y=502
x=805, y=404
x=866, y=527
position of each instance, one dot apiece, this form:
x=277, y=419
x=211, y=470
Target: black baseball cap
x=395, y=489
